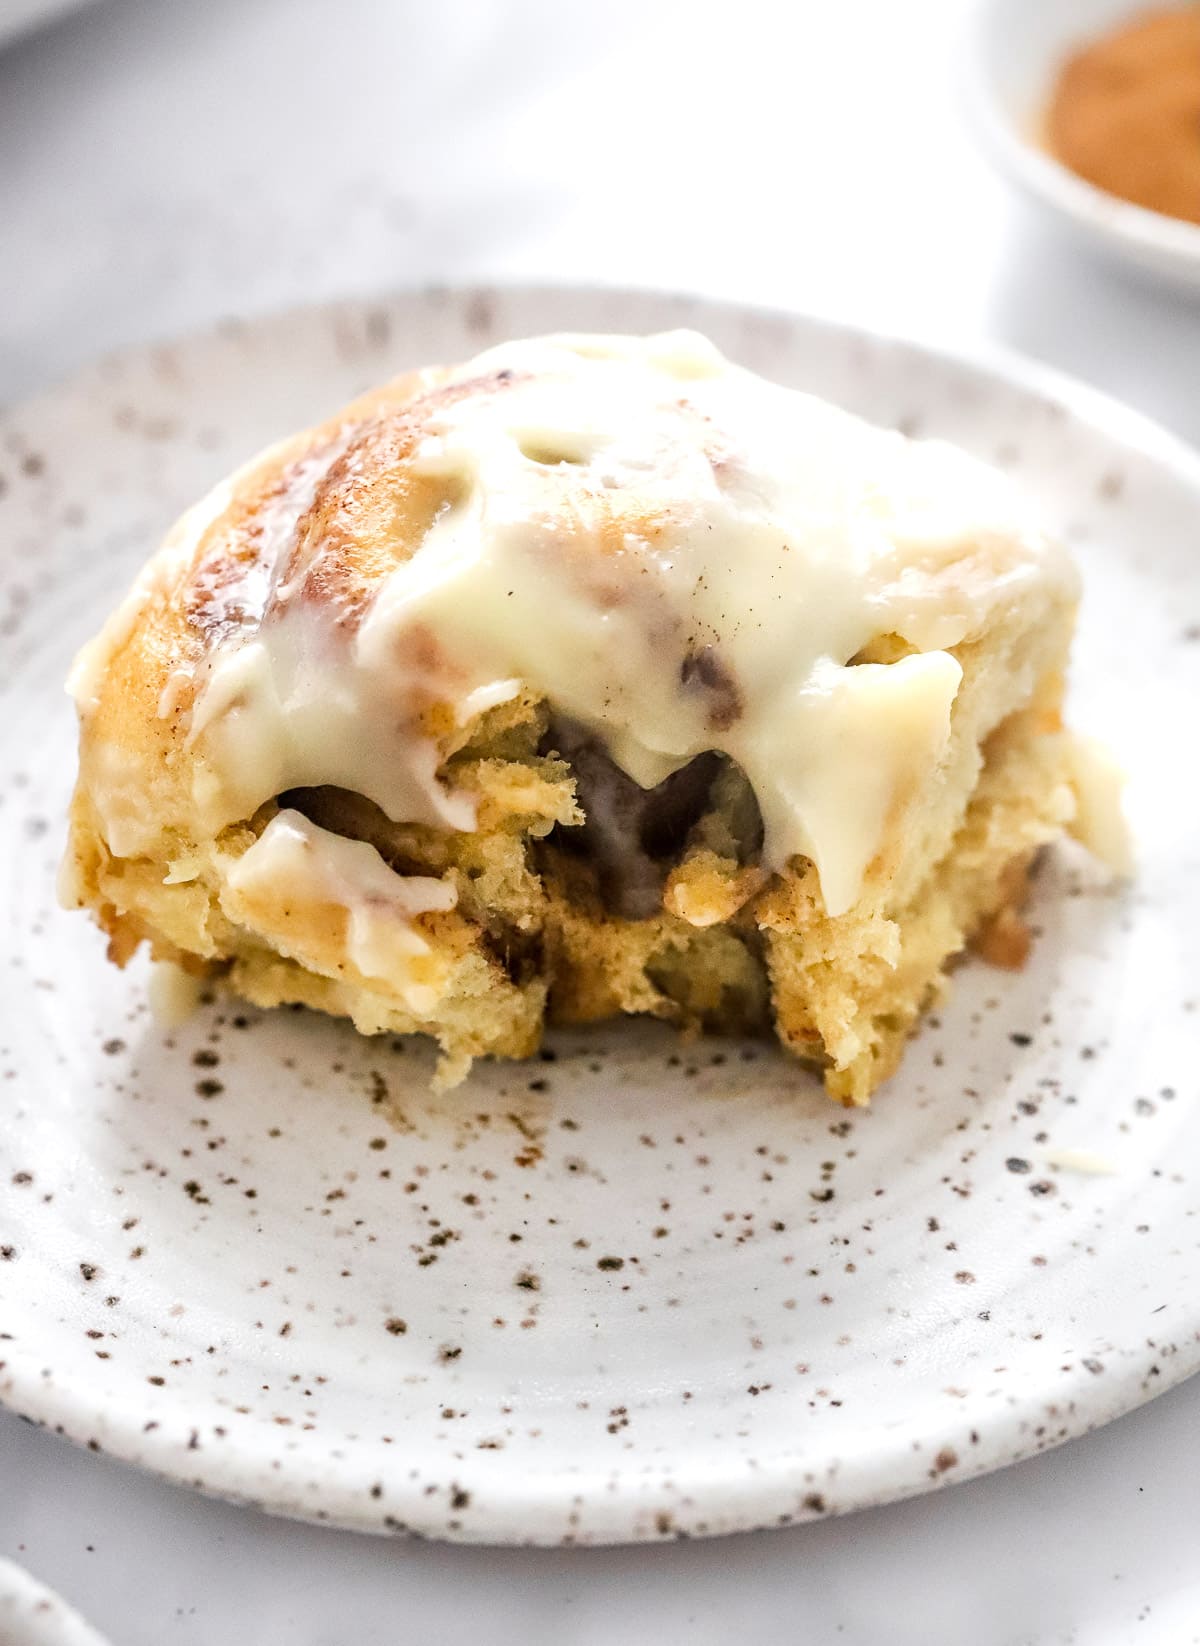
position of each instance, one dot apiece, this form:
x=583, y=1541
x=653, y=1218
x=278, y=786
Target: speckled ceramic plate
x=32, y=1615
x=639, y=1289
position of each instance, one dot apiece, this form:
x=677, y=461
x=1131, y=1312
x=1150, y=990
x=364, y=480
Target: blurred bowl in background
x=1015, y=49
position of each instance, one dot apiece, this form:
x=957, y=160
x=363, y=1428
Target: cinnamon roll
x=595, y=676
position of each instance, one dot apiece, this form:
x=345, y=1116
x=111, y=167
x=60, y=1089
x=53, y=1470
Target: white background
x=162, y=165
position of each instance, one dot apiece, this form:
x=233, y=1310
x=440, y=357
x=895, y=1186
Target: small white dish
x=1015, y=49
x=33, y=1615
x=645, y=1289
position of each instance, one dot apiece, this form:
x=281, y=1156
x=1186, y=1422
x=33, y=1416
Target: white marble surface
x=165, y=164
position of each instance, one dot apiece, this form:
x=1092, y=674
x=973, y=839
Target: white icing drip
x=286, y=882
x=640, y=521
x=278, y=518
x=1087, y=1162
x=1099, y=822
x=291, y=710
x=175, y=692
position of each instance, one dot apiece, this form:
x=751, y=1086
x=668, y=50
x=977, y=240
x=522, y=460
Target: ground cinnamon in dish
x=1125, y=114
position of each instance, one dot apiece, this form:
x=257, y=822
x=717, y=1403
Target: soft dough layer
x=597, y=676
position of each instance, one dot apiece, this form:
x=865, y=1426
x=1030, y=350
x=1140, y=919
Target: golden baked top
x=675, y=553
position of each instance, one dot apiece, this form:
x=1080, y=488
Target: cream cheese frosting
x=295, y=869
x=674, y=552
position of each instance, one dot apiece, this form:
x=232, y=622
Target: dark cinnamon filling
x=632, y=836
